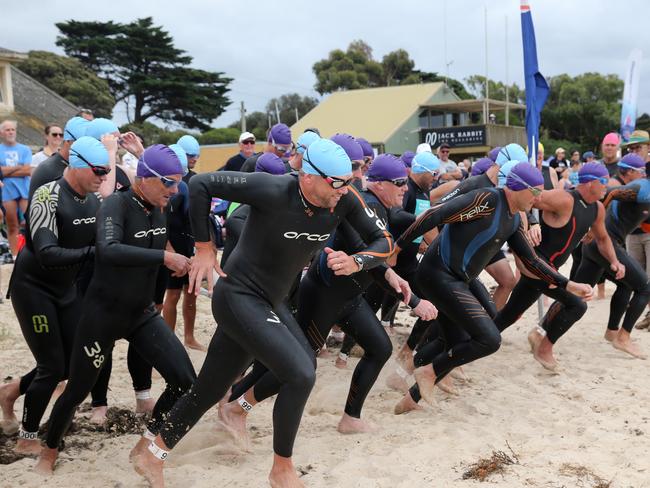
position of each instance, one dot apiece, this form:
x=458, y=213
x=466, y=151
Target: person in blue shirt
x=15, y=169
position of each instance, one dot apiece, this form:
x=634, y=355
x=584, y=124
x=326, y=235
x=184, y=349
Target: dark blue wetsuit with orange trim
x=326, y=299
x=557, y=245
x=627, y=207
x=477, y=225
x=249, y=305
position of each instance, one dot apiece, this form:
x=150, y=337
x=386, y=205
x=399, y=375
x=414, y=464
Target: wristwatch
x=359, y=261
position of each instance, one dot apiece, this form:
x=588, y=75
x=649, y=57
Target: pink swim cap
x=612, y=138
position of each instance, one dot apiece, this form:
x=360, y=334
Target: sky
x=269, y=47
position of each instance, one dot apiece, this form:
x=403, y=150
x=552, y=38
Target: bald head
x=8, y=131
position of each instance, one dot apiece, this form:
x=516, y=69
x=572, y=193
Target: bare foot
x=341, y=363
x=192, y=343
x=543, y=354
x=406, y=404
x=460, y=375
x=447, y=385
x=46, y=459
x=139, y=448
x=144, y=406
x=534, y=338
x=397, y=383
x=426, y=380
x=283, y=474
x=351, y=425
x=29, y=447
x=622, y=342
x=405, y=359
x=9, y=393
x=98, y=416
x=233, y=419
x=601, y=291
x=150, y=468
x=610, y=335
x=324, y=353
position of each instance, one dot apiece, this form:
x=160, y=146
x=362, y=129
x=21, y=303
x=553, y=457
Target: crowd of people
x=322, y=236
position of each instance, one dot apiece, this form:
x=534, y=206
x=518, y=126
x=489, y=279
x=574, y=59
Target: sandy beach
x=585, y=427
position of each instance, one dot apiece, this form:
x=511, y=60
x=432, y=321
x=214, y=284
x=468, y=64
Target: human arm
x=130, y=142
x=44, y=231
x=108, y=185
x=604, y=243
x=443, y=192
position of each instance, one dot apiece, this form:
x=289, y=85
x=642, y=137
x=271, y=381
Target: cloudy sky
x=269, y=47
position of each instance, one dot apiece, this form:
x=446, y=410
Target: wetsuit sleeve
x=378, y=275
x=636, y=191
x=379, y=242
x=522, y=247
x=110, y=235
x=45, y=234
x=465, y=208
x=256, y=189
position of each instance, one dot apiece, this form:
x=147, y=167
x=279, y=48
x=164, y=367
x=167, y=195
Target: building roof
x=474, y=105
x=372, y=113
x=10, y=55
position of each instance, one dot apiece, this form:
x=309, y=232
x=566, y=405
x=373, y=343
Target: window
x=436, y=119
x=424, y=119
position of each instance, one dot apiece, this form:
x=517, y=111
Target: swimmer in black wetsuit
x=272, y=250
x=131, y=235
x=326, y=299
x=477, y=223
x=567, y=217
x=627, y=207
x=59, y=241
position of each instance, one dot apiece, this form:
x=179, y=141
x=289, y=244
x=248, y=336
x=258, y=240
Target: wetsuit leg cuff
x=143, y=395
x=147, y=434
x=30, y=436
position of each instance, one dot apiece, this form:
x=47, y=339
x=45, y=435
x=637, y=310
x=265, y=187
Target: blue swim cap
x=305, y=140
x=98, y=127
x=182, y=156
x=190, y=145
x=511, y=152
x=425, y=162
x=504, y=171
x=89, y=149
x=330, y=158
x=75, y=128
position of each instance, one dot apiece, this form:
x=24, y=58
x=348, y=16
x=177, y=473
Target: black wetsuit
x=49, y=170
x=130, y=244
x=477, y=225
x=546, y=173
x=556, y=247
x=326, y=299
x=629, y=207
x=59, y=242
x=248, y=303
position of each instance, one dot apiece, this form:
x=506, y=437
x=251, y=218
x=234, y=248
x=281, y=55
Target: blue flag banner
x=630, y=94
x=537, y=88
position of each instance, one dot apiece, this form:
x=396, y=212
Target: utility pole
x=277, y=112
x=487, y=83
x=297, y=118
x=507, y=82
x=242, y=114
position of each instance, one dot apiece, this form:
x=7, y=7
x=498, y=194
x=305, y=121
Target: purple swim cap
x=280, y=134
x=592, y=171
x=160, y=159
x=631, y=161
x=481, y=166
x=524, y=175
x=407, y=158
x=350, y=145
x=386, y=167
x=368, y=152
x=270, y=163
x=494, y=153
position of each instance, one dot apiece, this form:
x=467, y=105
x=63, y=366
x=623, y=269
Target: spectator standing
x=449, y=168
x=246, y=150
x=609, y=148
x=53, y=140
x=15, y=170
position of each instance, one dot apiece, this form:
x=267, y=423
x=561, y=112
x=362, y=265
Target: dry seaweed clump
x=586, y=477
x=485, y=467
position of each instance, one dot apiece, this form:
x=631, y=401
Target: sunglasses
x=282, y=147
x=248, y=143
x=56, y=134
x=97, y=170
x=535, y=191
x=333, y=181
x=399, y=182
x=444, y=151
x=167, y=182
